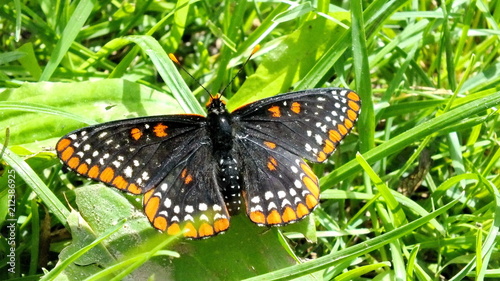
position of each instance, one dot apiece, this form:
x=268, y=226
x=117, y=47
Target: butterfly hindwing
x=279, y=187
x=309, y=123
x=189, y=198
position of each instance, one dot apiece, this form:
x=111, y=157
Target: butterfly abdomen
x=230, y=183
x=221, y=135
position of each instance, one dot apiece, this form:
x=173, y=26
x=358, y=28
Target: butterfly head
x=216, y=105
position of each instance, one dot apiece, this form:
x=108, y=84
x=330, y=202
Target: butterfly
x=197, y=171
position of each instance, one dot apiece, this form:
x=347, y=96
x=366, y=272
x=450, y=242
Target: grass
x=411, y=194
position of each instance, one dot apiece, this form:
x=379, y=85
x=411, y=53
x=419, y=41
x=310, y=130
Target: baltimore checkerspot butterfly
x=195, y=171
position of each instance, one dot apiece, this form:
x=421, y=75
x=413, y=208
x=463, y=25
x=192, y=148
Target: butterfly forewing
x=309, y=123
x=131, y=155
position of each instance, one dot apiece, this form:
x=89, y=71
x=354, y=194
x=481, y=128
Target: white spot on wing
x=269, y=195
x=255, y=199
x=128, y=172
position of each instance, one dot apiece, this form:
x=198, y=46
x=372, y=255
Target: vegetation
x=411, y=194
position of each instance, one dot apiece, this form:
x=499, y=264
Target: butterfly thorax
x=221, y=134
x=220, y=125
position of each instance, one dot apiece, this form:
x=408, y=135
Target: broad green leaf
x=288, y=63
x=64, y=107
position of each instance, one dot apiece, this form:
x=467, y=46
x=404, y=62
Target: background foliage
x=419, y=201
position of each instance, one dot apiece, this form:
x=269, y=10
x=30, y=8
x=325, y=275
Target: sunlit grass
x=411, y=194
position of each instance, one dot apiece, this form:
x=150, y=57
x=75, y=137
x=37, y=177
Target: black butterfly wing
x=278, y=186
x=189, y=197
x=272, y=137
x=309, y=123
x=151, y=155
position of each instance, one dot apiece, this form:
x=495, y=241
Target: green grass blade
x=29, y=176
x=169, y=73
x=75, y=24
x=61, y=266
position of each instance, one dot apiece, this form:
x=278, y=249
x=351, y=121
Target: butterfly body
x=196, y=171
x=220, y=126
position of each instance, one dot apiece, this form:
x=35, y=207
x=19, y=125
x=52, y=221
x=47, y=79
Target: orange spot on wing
x=348, y=123
x=352, y=114
x=93, y=172
x=289, y=214
x=205, y=230
x=151, y=208
x=120, y=183
x=62, y=144
x=342, y=129
x=353, y=96
x=134, y=189
x=302, y=210
x=147, y=196
x=257, y=217
x=295, y=107
x=83, y=169
x=275, y=111
x=353, y=105
x=274, y=217
x=271, y=164
x=269, y=144
x=321, y=156
x=308, y=171
x=329, y=147
x=187, y=177
x=334, y=136
x=107, y=175
x=311, y=201
x=74, y=162
x=311, y=186
x=160, y=130
x=67, y=153
x=160, y=223
x=173, y=229
x=221, y=225
x=192, y=233
x=136, y=133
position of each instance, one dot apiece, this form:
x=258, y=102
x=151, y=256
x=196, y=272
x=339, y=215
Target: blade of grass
x=33, y=180
x=358, y=272
x=44, y=109
x=398, y=216
x=52, y=275
x=168, y=73
x=491, y=238
x=75, y=24
x=362, y=74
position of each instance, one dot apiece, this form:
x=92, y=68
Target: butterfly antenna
x=176, y=61
x=255, y=50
